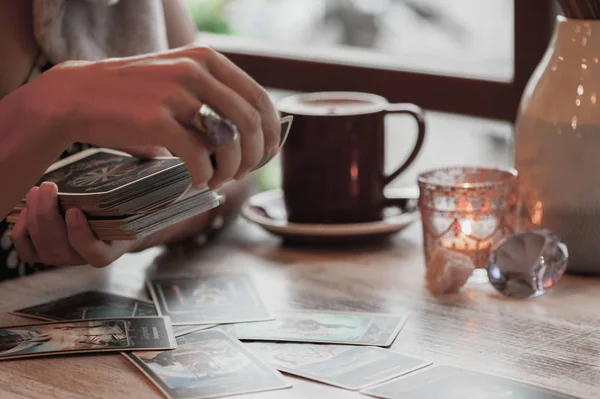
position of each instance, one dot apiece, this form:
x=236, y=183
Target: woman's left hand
x=41, y=234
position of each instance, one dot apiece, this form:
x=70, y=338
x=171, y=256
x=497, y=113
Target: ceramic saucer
x=267, y=209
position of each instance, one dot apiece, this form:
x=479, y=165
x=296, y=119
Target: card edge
x=394, y=335
x=193, y=331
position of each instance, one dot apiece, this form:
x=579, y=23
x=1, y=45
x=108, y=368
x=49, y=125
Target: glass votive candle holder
x=467, y=209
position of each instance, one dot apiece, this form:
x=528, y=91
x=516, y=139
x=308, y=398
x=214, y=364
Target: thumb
x=147, y=151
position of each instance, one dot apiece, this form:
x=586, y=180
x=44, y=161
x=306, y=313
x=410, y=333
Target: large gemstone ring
x=214, y=130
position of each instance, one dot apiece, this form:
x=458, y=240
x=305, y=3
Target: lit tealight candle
x=462, y=242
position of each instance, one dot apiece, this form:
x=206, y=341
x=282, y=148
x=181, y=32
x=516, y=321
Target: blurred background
x=471, y=39
x=459, y=37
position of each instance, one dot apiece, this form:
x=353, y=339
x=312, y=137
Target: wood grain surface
x=552, y=341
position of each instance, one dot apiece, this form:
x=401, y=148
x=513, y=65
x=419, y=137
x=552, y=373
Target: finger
x=184, y=144
x=228, y=162
x=22, y=241
x=232, y=106
x=95, y=252
x=192, y=87
x=195, y=154
x=147, y=151
x=231, y=75
x=51, y=241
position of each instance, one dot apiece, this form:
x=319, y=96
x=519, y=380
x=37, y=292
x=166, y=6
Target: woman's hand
x=42, y=235
x=151, y=100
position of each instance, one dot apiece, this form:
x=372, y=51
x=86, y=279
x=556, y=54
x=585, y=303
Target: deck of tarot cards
x=123, y=197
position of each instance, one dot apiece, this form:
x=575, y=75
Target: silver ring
x=213, y=129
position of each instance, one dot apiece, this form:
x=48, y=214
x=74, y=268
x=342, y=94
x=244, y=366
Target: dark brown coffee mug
x=333, y=161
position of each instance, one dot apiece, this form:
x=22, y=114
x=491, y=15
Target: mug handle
x=417, y=113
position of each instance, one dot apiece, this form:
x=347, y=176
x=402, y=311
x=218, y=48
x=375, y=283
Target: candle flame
x=466, y=227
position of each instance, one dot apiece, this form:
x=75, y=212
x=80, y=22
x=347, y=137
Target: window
x=466, y=57
x=470, y=57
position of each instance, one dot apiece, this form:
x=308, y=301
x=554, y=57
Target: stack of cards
x=127, y=198
x=103, y=182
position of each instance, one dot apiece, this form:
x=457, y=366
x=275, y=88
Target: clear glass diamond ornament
x=527, y=264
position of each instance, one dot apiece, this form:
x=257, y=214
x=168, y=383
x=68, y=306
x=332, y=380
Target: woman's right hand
x=151, y=100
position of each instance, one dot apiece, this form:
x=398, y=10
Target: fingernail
x=51, y=186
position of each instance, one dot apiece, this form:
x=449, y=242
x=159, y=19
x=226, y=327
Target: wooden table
x=552, y=341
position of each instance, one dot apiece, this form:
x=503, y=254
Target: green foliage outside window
x=208, y=15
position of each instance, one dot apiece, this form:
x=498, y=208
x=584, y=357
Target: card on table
x=89, y=305
x=324, y=327
x=344, y=366
x=81, y=336
x=211, y=299
x=207, y=364
x=448, y=382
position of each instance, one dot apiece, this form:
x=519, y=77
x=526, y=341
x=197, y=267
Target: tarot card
x=99, y=335
x=324, y=327
x=150, y=333
x=344, y=366
x=184, y=330
x=99, y=171
x=89, y=305
x=447, y=382
x=145, y=309
x=207, y=364
x=211, y=299
x=285, y=124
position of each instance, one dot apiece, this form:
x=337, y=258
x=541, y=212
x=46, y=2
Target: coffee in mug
x=333, y=161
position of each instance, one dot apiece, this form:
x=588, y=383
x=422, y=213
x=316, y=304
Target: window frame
x=533, y=27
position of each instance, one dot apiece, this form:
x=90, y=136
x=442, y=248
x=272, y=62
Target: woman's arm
x=181, y=29
x=26, y=152
x=96, y=103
